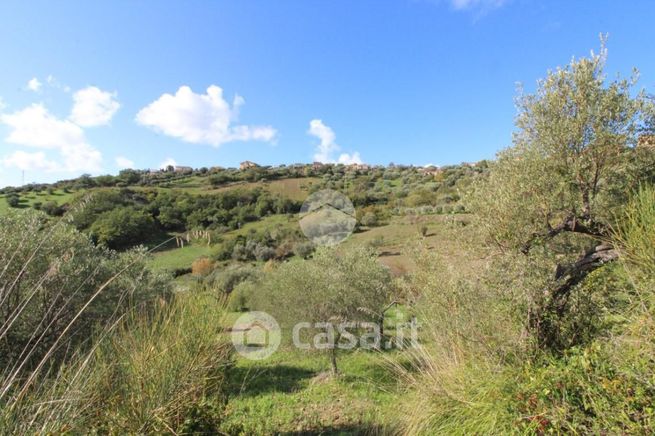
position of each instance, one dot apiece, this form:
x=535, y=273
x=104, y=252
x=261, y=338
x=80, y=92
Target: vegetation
x=331, y=289
x=546, y=340
x=530, y=279
x=53, y=278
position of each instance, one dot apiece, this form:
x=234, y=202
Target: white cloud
x=93, y=107
x=348, y=159
x=327, y=137
x=201, y=118
x=327, y=147
x=484, y=5
x=169, y=161
x=29, y=161
x=34, y=84
x=35, y=127
x=123, y=162
x=54, y=83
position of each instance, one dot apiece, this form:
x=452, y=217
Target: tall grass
x=81, y=353
x=459, y=371
x=153, y=373
x=473, y=373
x=636, y=232
x=163, y=372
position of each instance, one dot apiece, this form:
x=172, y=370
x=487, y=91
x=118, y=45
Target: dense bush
x=303, y=249
x=13, y=200
x=57, y=287
x=225, y=281
x=122, y=228
x=52, y=208
x=369, y=219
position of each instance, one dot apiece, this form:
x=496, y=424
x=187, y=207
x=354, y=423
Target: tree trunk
x=333, y=355
x=333, y=361
x=544, y=320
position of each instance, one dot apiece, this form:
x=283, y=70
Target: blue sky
x=95, y=86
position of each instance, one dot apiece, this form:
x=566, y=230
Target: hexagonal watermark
x=327, y=217
x=256, y=335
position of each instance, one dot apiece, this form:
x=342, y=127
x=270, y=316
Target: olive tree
x=331, y=288
x=568, y=173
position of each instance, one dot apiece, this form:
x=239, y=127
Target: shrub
x=284, y=249
x=13, y=200
x=241, y=297
x=636, y=232
x=597, y=389
x=369, y=219
x=263, y=253
x=202, y=267
x=51, y=272
x=226, y=280
x=225, y=250
x=52, y=208
x=240, y=252
x=58, y=289
x=122, y=228
x=303, y=249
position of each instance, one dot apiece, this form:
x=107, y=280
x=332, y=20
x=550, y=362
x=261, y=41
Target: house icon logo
x=256, y=335
x=327, y=217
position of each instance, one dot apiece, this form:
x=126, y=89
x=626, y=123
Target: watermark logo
x=327, y=217
x=349, y=335
x=256, y=335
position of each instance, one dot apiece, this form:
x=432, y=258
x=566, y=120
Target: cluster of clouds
x=327, y=147
x=201, y=118
x=42, y=134
x=59, y=144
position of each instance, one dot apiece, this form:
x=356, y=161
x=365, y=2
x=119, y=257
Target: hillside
x=230, y=207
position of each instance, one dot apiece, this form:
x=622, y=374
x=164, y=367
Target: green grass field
x=295, y=188
x=292, y=392
x=173, y=258
x=28, y=199
x=170, y=257
x=391, y=241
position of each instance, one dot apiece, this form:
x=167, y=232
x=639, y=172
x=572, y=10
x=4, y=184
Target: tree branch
x=576, y=272
x=569, y=276
x=573, y=224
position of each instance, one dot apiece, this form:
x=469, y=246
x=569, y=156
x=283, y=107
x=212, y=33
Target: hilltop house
x=183, y=169
x=359, y=167
x=430, y=170
x=247, y=164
